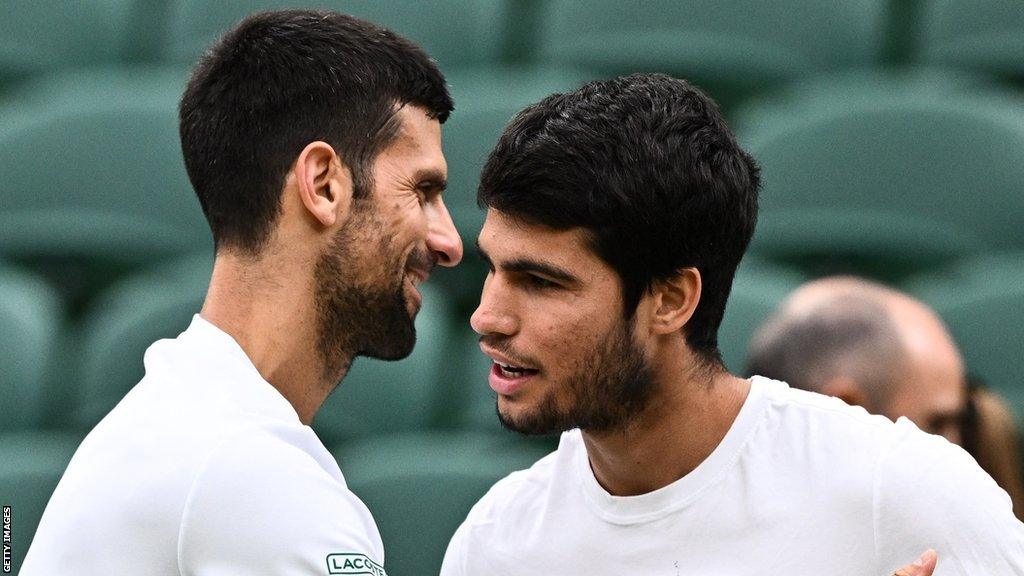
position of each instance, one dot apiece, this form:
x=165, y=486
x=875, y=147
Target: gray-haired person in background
x=313, y=141
x=616, y=217
x=869, y=345
x=878, y=348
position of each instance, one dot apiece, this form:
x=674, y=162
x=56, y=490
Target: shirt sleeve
x=262, y=506
x=929, y=493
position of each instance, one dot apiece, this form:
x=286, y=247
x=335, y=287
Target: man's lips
x=417, y=276
x=507, y=374
x=505, y=384
x=503, y=358
x=419, y=265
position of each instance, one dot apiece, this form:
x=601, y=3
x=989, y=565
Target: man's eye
x=539, y=282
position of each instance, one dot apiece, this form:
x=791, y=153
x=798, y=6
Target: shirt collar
x=209, y=359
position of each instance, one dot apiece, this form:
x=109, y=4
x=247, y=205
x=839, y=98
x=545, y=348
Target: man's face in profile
x=367, y=280
x=550, y=317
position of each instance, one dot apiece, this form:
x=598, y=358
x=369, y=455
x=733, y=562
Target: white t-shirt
x=203, y=469
x=801, y=484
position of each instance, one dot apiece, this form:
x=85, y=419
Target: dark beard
x=607, y=393
x=360, y=319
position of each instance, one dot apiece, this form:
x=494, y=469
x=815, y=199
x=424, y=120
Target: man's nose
x=442, y=237
x=493, y=315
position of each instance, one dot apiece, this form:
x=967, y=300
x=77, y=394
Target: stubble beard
x=361, y=317
x=607, y=393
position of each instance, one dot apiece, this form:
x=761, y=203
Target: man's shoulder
x=275, y=490
x=266, y=453
x=824, y=420
x=931, y=492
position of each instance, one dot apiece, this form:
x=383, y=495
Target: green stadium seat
x=982, y=302
x=419, y=488
x=889, y=178
x=112, y=338
x=729, y=47
x=758, y=289
x=454, y=32
x=31, y=464
x=30, y=322
x=93, y=176
x=983, y=35
x=38, y=36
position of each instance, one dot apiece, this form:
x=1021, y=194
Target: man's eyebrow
x=528, y=265
x=549, y=270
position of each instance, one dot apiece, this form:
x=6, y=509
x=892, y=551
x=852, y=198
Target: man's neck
x=274, y=324
x=683, y=424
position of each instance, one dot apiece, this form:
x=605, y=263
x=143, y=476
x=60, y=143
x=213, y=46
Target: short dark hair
x=280, y=80
x=646, y=165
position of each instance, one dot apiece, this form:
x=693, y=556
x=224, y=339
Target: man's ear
x=674, y=301
x=324, y=183
x=847, y=390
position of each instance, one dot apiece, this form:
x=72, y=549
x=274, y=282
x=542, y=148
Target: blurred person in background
x=616, y=217
x=880, y=349
x=313, y=141
x=990, y=435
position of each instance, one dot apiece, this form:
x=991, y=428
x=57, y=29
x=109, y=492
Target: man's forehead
x=417, y=146
x=416, y=126
x=509, y=237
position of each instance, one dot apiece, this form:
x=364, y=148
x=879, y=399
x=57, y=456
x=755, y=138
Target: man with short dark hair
x=870, y=346
x=616, y=217
x=313, y=141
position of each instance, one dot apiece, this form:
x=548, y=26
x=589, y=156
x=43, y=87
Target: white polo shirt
x=203, y=469
x=801, y=484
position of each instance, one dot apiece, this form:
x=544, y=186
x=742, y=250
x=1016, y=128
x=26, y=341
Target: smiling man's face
x=367, y=279
x=551, y=318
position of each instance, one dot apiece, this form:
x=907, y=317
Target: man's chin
x=538, y=423
x=398, y=347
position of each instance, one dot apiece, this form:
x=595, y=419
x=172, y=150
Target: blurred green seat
x=38, y=36
x=453, y=32
x=383, y=397
x=94, y=183
x=757, y=290
x=31, y=464
x=419, y=488
x=729, y=47
x=30, y=322
x=982, y=302
x=112, y=338
x=886, y=179
x=983, y=35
